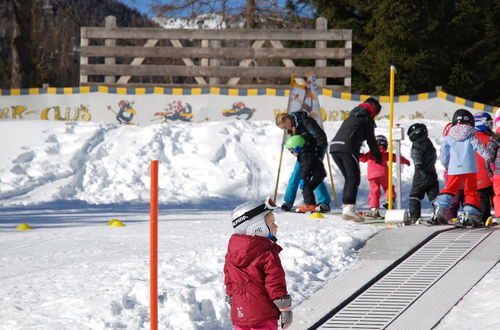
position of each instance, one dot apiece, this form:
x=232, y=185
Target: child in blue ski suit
x=457, y=156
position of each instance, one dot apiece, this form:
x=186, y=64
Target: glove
x=229, y=299
x=301, y=184
x=297, y=149
x=378, y=157
x=285, y=306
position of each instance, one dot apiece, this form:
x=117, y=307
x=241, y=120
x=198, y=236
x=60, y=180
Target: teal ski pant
x=322, y=194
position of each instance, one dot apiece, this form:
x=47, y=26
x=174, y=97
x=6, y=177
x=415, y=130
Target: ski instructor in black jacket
x=345, y=147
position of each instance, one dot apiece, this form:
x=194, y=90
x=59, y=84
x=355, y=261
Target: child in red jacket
x=378, y=175
x=253, y=275
x=484, y=124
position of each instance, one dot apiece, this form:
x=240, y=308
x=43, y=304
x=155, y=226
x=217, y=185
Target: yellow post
x=391, y=120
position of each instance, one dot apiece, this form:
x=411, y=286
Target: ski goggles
x=268, y=205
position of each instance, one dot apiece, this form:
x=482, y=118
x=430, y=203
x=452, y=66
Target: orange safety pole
x=153, y=229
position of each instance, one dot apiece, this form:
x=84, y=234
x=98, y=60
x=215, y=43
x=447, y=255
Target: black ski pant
x=349, y=167
x=309, y=187
x=485, y=196
x=418, y=192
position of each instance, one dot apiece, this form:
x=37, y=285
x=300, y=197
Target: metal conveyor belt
x=383, y=302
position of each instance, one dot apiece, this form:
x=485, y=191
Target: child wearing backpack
x=253, y=274
x=377, y=174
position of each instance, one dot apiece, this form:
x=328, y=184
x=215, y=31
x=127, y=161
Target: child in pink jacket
x=378, y=175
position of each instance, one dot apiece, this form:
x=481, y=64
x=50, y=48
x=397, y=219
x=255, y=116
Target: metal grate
x=380, y=304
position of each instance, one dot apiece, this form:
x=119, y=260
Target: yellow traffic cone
x=116, y=223
x=24, y=226
x=110, y=222
x=317, y=215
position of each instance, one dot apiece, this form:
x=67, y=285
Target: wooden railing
x=139, y=57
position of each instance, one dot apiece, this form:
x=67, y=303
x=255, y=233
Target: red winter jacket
x=254, y=278
x=483, y=179
x=376, y=170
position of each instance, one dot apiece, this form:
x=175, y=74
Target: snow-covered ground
x=72, y=271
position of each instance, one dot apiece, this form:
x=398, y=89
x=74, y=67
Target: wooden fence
x=142, y=57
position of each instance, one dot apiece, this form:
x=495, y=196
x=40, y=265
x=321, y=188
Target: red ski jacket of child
x=376, y=170
x=483, y=178
x=254, y=278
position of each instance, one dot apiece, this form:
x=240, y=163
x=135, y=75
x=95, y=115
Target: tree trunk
x=250, y=14
x=21, y=44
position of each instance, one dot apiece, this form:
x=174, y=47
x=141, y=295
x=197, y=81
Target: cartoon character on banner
x=176, y=110
x=305, y=98
x=239, y=109
x=125, y=113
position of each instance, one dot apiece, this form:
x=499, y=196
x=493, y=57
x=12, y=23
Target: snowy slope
x=74, y=272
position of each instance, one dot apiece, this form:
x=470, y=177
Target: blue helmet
x=483, y=121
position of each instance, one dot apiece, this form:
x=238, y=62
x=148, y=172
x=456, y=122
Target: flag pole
x=292, y=79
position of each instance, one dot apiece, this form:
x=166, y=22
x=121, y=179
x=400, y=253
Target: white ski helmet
x=248, y=218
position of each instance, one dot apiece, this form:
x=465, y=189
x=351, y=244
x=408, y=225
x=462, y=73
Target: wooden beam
x=220, y=53
x=246, y=62
x=219, y=71
x=138, y=60
x=288, y=63
x=110, y=23
x=215, y=34
x=188, y=61
x=335, y=88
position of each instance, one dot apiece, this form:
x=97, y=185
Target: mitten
x=301, y=184
x=285, y=306
x=297, y=149
x=228, y=299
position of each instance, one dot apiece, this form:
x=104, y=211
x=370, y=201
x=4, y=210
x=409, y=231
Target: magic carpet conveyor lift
x=413, y=292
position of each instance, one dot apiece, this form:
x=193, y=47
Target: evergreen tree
x=449, y=43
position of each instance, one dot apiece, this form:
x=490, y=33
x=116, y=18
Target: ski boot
x=469, y=220
x=349, y=213
x=438, y=217
x=287, y=207
x=323, y=208
x=385, y=204
x=414, y=221
x=373, y=213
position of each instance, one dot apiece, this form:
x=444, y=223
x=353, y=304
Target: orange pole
x=153, y=229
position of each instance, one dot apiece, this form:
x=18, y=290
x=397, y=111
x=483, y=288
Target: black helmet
x=416, y=131
x=382, y=141
x=462, y=116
